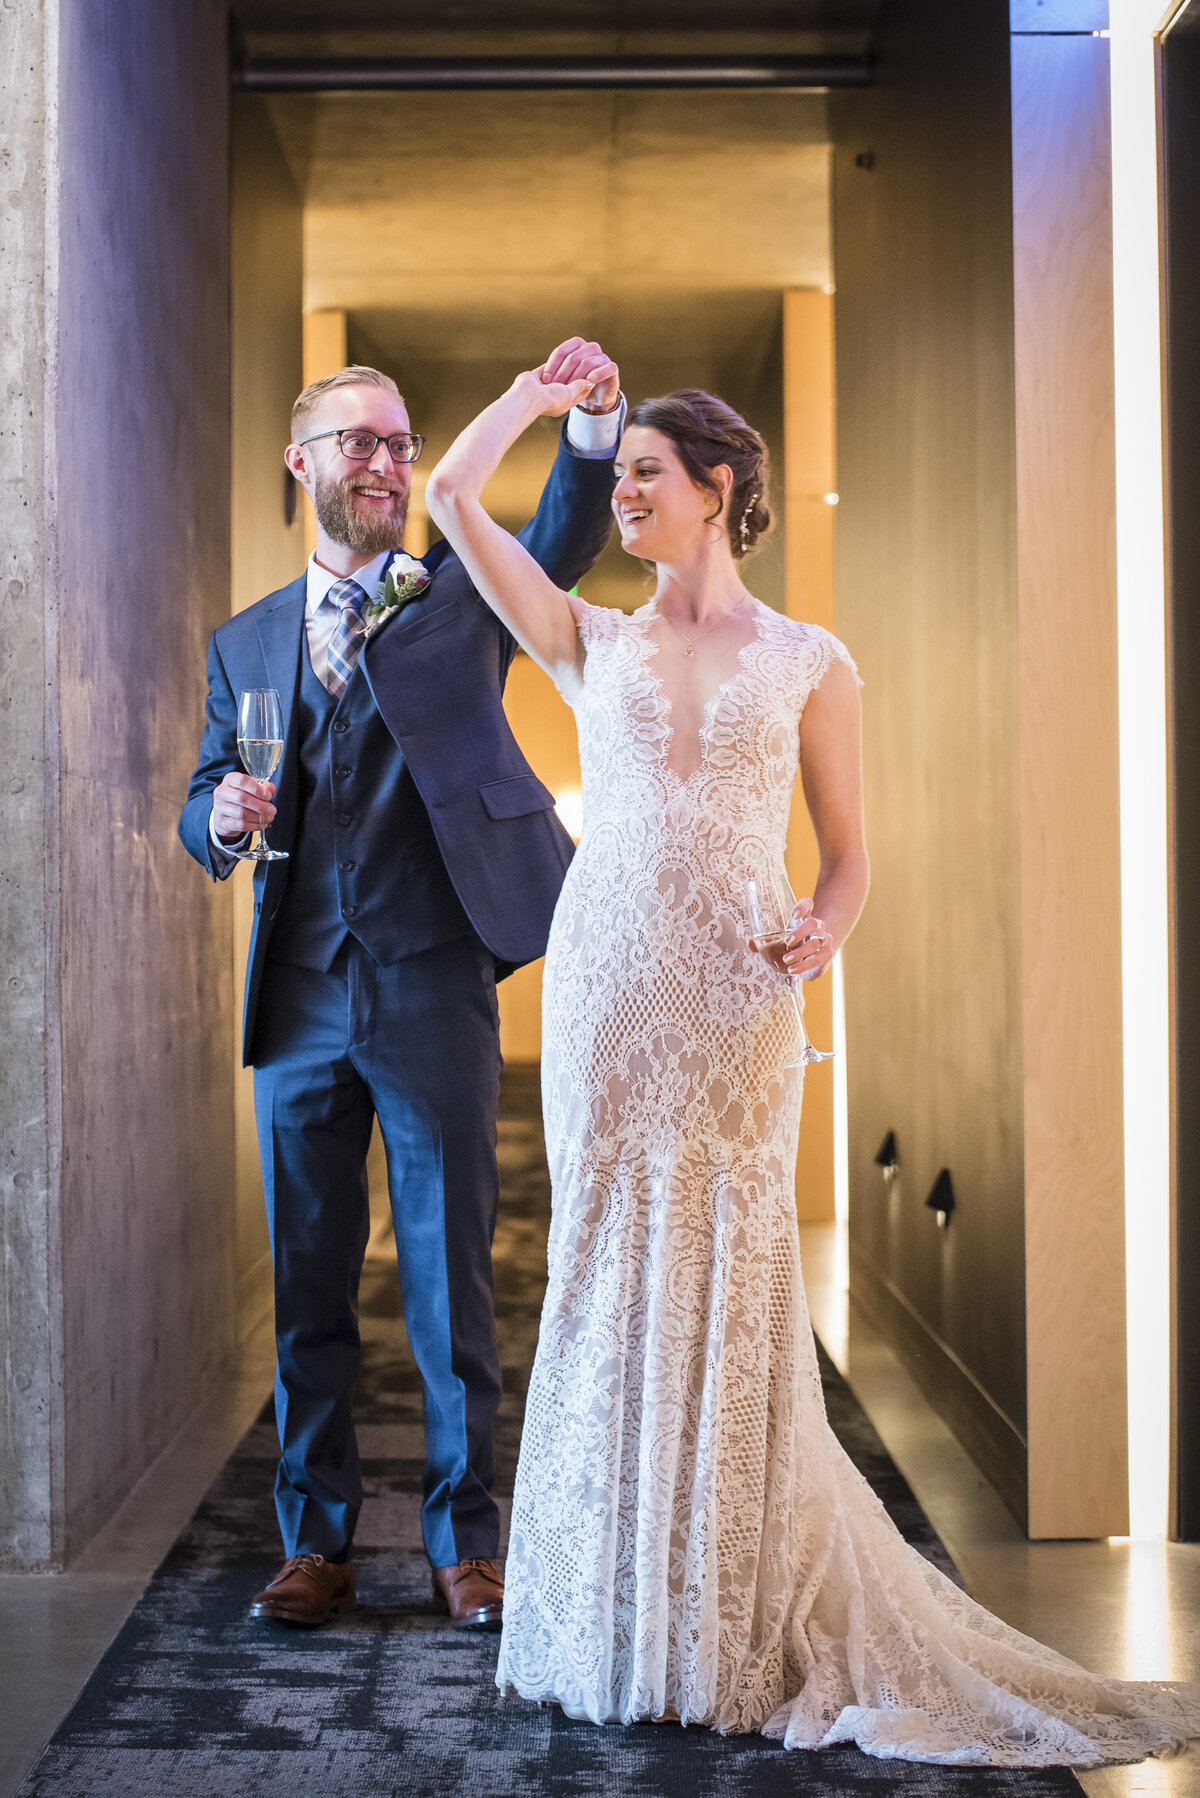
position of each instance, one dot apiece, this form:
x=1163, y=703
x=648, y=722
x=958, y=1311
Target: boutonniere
x=406, y=579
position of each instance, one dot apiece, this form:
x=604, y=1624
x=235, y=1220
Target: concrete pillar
x=30, y=1411
x=115, y=1101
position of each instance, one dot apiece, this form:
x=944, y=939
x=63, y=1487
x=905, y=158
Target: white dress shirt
x=589, y=434
x=320, y=613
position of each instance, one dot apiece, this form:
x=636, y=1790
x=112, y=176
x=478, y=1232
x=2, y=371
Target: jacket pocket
x=516, y=797
x=417, y=621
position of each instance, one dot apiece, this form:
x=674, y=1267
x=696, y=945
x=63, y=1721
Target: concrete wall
x=267, y=284
x=119, y=1224
x=30, y=1492
x=927, y=600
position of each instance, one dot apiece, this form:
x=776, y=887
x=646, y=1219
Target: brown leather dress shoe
x=306, y=1591
x=472, y=1592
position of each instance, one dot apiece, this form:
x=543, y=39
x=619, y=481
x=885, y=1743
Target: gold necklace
x=689, y=643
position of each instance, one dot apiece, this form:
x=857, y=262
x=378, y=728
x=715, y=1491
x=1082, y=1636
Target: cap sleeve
x=596, y=624
x=831, y=649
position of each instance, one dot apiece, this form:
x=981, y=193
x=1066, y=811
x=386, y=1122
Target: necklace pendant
x=689, y=651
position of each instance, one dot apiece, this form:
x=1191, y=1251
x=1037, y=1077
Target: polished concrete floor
x=1129, y=1609
x=54, y=1627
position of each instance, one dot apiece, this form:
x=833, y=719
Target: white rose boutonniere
x=406, y=579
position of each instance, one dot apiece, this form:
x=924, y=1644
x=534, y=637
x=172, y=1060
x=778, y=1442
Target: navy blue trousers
x=418, y=1045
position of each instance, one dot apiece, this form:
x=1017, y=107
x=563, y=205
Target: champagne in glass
x=769, y=905
x=260, y=745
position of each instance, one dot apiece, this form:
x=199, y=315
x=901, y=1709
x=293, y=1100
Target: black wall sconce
x=888, y=1157
x=290, y=491
x=941, y=1199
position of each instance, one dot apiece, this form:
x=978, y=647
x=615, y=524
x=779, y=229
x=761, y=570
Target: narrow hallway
x=193, y=1699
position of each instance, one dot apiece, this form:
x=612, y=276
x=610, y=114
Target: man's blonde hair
x=354, y=376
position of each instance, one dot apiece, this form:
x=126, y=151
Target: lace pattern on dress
x=687, y=1532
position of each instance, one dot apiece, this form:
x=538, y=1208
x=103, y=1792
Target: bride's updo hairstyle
x=707, y=432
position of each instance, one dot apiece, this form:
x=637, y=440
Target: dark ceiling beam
x=396, y=74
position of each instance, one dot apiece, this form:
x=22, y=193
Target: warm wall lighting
x=831, y=499
x=841, y=1105
x=569, y=806
x=1143, y=756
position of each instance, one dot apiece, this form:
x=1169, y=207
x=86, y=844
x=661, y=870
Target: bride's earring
x=744, y=526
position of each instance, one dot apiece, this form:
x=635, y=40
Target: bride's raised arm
x=540, y=615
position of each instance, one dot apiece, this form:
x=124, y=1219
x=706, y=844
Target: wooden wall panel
x=1070, y=820
x=544, y=726
x=267, y=275
x=926, y=561
x=1180, y=73
x=977, y=588
x=324, y=353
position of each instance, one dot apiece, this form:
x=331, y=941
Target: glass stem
x=793, y=981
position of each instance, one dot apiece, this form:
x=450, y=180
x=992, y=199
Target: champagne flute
x=769, y=905
x=260, y=745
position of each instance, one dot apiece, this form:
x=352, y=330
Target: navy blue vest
x=365, y=861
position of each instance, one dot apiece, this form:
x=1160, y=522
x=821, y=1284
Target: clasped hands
x=576, y=373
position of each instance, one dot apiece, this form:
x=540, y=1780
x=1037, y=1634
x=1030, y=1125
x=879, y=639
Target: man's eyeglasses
x=360, y=446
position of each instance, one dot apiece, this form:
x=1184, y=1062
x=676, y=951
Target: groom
x=423, y=861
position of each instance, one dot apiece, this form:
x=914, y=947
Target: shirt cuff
x=242, y=842
x=596, y=433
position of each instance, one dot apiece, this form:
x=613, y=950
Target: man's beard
x=363, y=533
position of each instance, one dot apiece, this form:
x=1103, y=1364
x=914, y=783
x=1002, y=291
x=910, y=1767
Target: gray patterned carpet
x=192, y=1699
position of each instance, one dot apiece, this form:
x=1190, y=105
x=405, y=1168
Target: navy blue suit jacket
x=437, y=674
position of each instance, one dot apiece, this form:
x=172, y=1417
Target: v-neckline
x=648, y=648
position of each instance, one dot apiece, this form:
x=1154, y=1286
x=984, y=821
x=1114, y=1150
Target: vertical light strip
x=841, y=1106
x=1143, y=739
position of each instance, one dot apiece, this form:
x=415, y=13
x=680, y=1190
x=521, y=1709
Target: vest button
x=348, y=911
x=340, y=725
x=341, y=771
x=345, y=817
x=345, y=866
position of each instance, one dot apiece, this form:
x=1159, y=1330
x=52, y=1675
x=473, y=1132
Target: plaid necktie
x=349, y=634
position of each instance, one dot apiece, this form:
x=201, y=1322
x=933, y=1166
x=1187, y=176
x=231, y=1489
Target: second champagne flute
x=769, y=905
x=260, y=745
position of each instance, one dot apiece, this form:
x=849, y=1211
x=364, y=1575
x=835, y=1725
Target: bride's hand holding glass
x=784, y=932
x=809, y=948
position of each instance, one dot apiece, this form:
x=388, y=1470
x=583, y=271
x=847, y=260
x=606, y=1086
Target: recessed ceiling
x=681, y=16
x=466, y=233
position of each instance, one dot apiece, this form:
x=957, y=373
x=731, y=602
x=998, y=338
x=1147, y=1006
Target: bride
x=688, y=1537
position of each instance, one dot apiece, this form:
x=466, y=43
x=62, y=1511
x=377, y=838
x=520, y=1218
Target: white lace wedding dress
x=688, y=1535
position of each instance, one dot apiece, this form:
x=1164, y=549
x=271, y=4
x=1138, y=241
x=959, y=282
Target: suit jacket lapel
x=281, y=640
x=409, y=614
x=280, y=637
